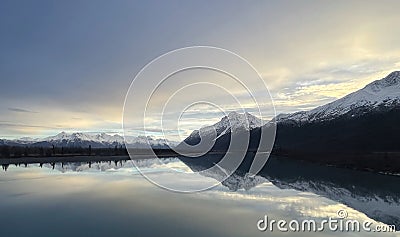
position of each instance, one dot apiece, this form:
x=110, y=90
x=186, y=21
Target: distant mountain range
x=99, y=140
x=365, y=121
x=341, y=132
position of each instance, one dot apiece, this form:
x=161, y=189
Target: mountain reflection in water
x=376, y=195
x=73, y=193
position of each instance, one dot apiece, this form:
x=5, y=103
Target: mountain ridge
x=95, y=140
x=379, y=93
x=233, y=122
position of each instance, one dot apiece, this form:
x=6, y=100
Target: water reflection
x=376, y=195
x=76, y=199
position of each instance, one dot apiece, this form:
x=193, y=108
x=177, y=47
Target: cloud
x=324, y=84
x=19, y=125
x=76, y=72
x=19, y=110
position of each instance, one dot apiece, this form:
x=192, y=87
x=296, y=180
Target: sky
x=67, y=65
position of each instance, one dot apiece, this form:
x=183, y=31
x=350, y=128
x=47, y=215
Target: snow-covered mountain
x=95, y=140
x=379, y=94
x=101, y=137
x=232, y=122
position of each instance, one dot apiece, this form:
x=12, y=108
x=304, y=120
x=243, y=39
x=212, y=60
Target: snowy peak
x=232, y=122
x=392, y=79
x=236, y=120
x=378, y=94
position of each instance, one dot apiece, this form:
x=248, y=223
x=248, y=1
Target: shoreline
x=76, y=158
x=349, y=161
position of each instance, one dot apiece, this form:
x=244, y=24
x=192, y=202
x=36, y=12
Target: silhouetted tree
x=54, y=150
x=5, y=167
x=49, y=152
x=17, y=152
x=5, y=152
x=41, y=151
x=121, y=150
x=26, y=151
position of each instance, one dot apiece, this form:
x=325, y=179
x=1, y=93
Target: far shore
x=71, y=159
x=377, y=162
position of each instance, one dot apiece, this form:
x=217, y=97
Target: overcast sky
x=67, y=65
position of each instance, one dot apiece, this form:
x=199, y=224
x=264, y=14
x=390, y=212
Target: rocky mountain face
x=232, y=123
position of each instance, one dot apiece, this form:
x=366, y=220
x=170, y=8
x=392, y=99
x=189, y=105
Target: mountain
x=380, y=94
x=234, y=122
x=100, y=140
x=363, y=121
x=358, y=131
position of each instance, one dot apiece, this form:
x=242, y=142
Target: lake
x=114, y=199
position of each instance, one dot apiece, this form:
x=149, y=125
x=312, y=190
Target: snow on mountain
x=232, y=122
x=96, y=140
x=101, y=137
x=380, y=93
x=26, y=140
x=155, y=143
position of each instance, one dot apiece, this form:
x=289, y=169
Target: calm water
x=108, y=199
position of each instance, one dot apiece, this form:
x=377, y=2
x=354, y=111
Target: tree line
x=7, y=151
